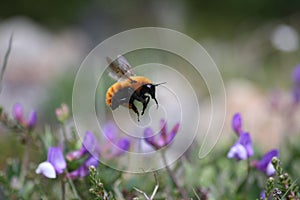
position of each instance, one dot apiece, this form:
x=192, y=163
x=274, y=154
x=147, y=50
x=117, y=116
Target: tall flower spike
x=163, y=138
x=265, y=164
x=237, y=123
x=242, y=149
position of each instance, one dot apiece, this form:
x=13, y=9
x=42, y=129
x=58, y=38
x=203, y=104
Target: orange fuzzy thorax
x=139, y=81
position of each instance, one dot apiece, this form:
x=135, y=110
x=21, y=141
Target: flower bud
x=32, y=120
x=237, y=123
x=62, y=113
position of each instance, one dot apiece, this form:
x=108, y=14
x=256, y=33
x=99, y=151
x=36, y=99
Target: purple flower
x=32, y=120
x=265, y=164
x=18, y=112
x=54, y=165
x=296, y=83
x=89, y=146
x=163, y=138
x=114, y=145
x=296, y=75
x=110, y=131
x=124, y=145
x=262, y=194
x=83, y=170
x=237, y=123
x=19, y=117
x=242, y=149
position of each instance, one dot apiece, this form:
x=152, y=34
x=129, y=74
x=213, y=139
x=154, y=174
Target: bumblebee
x=129, y=88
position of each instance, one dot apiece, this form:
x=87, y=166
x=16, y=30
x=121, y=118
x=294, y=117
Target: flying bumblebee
x=129, y=87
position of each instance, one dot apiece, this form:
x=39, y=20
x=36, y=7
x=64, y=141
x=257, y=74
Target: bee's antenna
x=159, y=84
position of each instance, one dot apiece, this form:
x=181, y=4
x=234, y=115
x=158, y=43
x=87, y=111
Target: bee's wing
x=124, y=64
x=120, y=68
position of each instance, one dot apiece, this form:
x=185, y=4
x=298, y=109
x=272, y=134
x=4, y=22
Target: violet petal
x=238, y=152
x=266, y=159
x=245, y=140
x=32, y=119
x=90, y=142
x=124, y=144
x=110, y=131
x=83, y=170
x=237, y=123
x=56, y=158
x=173, y=133
x=18, y=112
x=150, y=138
x=296, y=74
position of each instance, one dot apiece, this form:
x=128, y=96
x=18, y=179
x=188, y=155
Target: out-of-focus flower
x=296, y=84
x=32, y=120
x=242, y=149
x=262, y=194
x=265, y=164
x=54, y=165
x=163, y=138
x=19, y=116
x=115, y=146
x=285, y=38
x=83, y=170
x=62, y=113
x=90, y=148
x=18, y=113
x=237, y=123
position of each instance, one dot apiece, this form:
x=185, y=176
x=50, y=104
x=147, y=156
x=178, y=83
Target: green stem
x=64, y=130
x=63, y=189
x=25, y=161
x=248, y=175
x=174, y=179
x=72, y=186
x=248, y=169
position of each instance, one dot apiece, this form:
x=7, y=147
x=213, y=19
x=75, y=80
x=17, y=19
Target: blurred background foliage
x=255, y=44
x=238, y=35
x=203, y=18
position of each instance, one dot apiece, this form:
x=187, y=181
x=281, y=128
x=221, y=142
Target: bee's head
x=150, y=89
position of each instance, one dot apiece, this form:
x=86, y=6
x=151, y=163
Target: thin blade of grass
x=5, y=61
x=294, y=183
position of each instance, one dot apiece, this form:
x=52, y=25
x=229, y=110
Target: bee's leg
x=156, y=102
x=134, y=108
x=145, y=103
